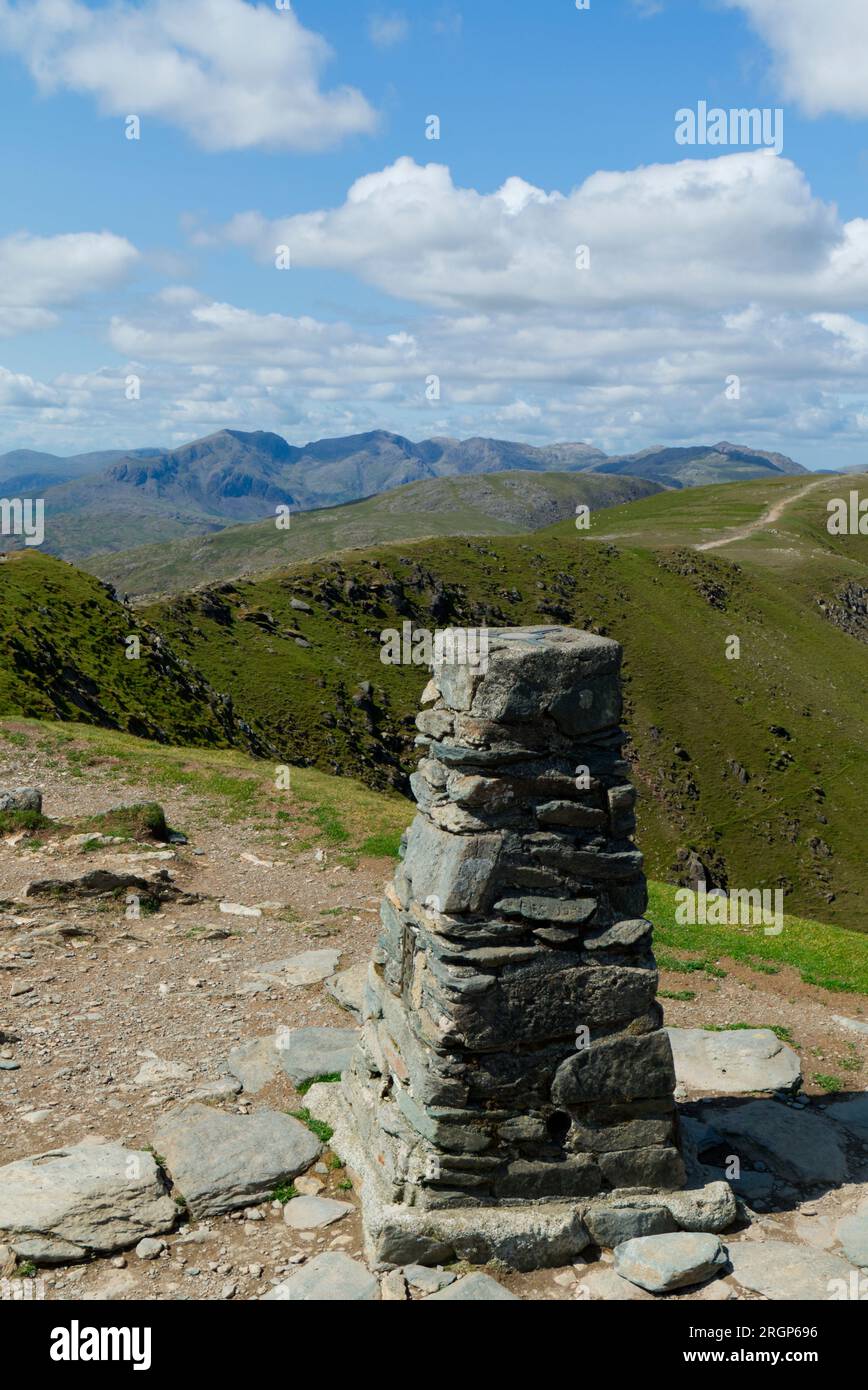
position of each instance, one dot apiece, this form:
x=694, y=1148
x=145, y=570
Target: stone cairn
x=512, y=1071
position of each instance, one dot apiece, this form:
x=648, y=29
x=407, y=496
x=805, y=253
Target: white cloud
x=388, y=30
x=696, y=234
x=231, y=74
x=41, y=273
x=820, y=50
x=22, y=391
x=619, y=377
x=700, y=270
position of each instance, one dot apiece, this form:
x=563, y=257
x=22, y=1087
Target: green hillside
x=758, y=764
x=491, y=504
x=63, y=655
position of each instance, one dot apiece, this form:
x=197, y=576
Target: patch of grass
x=142, y=821
x=322, y=1131
x=689, y=967
x=383, y=846
x=10, y=821
x=345, y=1186
x=284, y=1193
x=25, y=1270
x=827, y=1083
x=824, y=955
x=306, y=1085
x=683, y=996
x=332, y=828
x=334, y=1162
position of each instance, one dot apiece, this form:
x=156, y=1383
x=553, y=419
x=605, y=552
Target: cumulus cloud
x=231, y=74
x=620, y=378
x=820, y=50
x=696, y=234
x=39, y=274
x=24, y=392
x=699, y=271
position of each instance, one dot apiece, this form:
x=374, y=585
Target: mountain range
x=114, y=500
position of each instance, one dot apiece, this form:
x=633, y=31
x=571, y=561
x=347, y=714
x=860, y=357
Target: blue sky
x=153, y=259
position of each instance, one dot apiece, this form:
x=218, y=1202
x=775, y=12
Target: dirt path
x=767, y=519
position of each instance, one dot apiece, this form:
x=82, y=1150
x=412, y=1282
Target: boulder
x=21, y=799
x=791, y=1273
x=735, y=1062
x=219, y=1162
x=313, y=1213
x=307, y=968
x=663, y=1263
x=473, y=1288
x=306, y=1054
x=89, y=1198
x=328, y=1278
x=255, y=1063
x=347, y=988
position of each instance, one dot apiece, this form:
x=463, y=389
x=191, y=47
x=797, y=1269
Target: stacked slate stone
x=513, y=1050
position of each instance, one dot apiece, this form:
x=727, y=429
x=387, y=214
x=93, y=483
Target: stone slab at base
x=542, y=1235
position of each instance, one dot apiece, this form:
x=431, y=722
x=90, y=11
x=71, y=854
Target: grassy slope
x=491, y=504
x=691, y=713
x=352, y=820
x=63, y=655
x=342, y=815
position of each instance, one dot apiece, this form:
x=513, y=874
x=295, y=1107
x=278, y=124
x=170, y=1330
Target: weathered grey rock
x=428, y=1281
x=306, y=1054
x=791, y=1273
x=622, y=1069
x=852, y=1232
x=610, y=1226
x=255, y=1063
x=156, y=1071
x=796, y=1145
x=21, y=799
x=331, y=1277
x=347, y=988
x=307, y=968
x=851, y=1025
x=102, y=883
x=735, y=1062
x=311, y=1213
x=473, y=1288
x=852, y=1114
x=88, y=1198
x=456, y=872
x=662, y=1263
x=393, y=1287
x=602, y=1284
x=219, y=1161
x=712, y=1208
x=150, y=1248
x=223, y=1089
